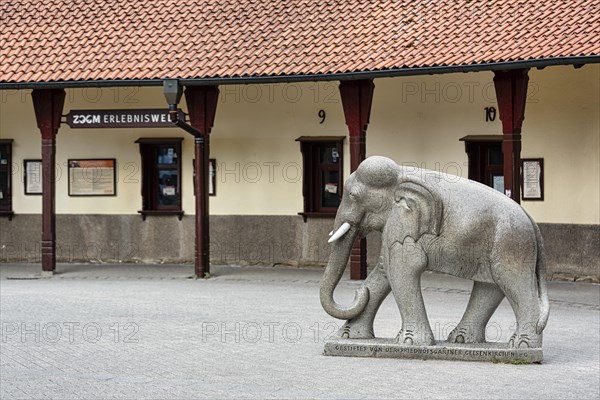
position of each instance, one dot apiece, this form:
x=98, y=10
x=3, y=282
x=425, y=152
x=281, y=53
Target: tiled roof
x=74, y=40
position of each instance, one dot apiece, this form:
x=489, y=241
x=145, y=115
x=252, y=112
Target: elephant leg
x=523, y=298
x=361, y=327
x=404, y=268
x=514, y=273
x=485, y=298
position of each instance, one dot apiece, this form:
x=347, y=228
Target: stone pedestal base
x=387, y=348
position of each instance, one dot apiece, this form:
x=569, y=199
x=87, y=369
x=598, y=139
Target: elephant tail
x=540, y=272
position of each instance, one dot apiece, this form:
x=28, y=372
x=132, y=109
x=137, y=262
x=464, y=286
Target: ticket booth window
x=161, y=176
x=486, y=160
x=6, y=178
x=323, y=165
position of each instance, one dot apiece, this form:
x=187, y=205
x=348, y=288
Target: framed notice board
x=532, y=179
x=32, y=177
x=92, y=177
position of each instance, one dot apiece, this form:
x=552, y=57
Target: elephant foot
x=355, y=330
x=414, y=337
x=467, y=334
x=525, y=341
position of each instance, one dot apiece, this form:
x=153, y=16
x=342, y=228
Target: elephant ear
x=417, y=211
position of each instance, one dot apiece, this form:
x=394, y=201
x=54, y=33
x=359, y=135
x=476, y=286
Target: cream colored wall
x=414, y=120
x=419, y=120
x=18, y=122
x=564, y=128
x=258, y=161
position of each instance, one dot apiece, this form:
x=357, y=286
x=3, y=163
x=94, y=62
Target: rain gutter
x=246, y=80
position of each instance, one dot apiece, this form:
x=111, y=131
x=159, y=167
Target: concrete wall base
x=572, y=251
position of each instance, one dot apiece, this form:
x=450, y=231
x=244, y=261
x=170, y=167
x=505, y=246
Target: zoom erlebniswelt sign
x=141, y=118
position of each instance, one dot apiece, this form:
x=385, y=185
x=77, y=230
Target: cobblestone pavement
x=149, y=332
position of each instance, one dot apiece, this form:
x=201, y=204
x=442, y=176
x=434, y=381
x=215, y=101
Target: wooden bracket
x=511, y=92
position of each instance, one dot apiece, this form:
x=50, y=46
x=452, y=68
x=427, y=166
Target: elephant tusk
x=330, y=233
x=340, y=232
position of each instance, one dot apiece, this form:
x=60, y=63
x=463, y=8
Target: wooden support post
x=357, y=97
x=202, y=107
x=511, y=92
x=48, y=107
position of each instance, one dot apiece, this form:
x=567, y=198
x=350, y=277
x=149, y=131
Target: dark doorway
x=486, y=160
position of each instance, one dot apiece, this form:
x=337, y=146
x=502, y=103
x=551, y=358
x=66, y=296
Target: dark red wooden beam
x=48, y=107
x=202, y=107
x=357, y=97
x=511, y=92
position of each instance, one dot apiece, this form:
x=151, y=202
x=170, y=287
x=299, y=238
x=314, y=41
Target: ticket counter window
x=322, y=168
x=161, y=176
x=486, y=160
x=6, y=178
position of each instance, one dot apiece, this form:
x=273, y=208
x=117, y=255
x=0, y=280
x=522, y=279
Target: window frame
x=312, y=168
x=477, y=148
x=6, y=210
x=151, y=169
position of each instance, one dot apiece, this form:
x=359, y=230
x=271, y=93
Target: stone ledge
x=575, y=278
x=387, y=348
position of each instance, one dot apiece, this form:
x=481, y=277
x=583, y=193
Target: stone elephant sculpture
x=436, y=222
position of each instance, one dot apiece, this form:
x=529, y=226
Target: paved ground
x=149, y=332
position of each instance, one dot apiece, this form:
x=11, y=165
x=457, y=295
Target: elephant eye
x=355, y=193
x=354, y=196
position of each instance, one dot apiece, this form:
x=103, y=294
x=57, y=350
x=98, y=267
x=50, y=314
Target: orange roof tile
x=78, y=40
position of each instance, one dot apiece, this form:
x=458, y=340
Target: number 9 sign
x=322, y=115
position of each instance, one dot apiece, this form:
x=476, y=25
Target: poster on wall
x=532, y=176
x=32, y=177
x=92, y=177
x=212, y=176
x=498, y=182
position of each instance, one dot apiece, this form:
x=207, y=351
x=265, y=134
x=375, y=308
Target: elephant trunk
x=333, y=273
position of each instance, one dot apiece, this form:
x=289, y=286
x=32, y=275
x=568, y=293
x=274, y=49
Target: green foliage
x=513, y=361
